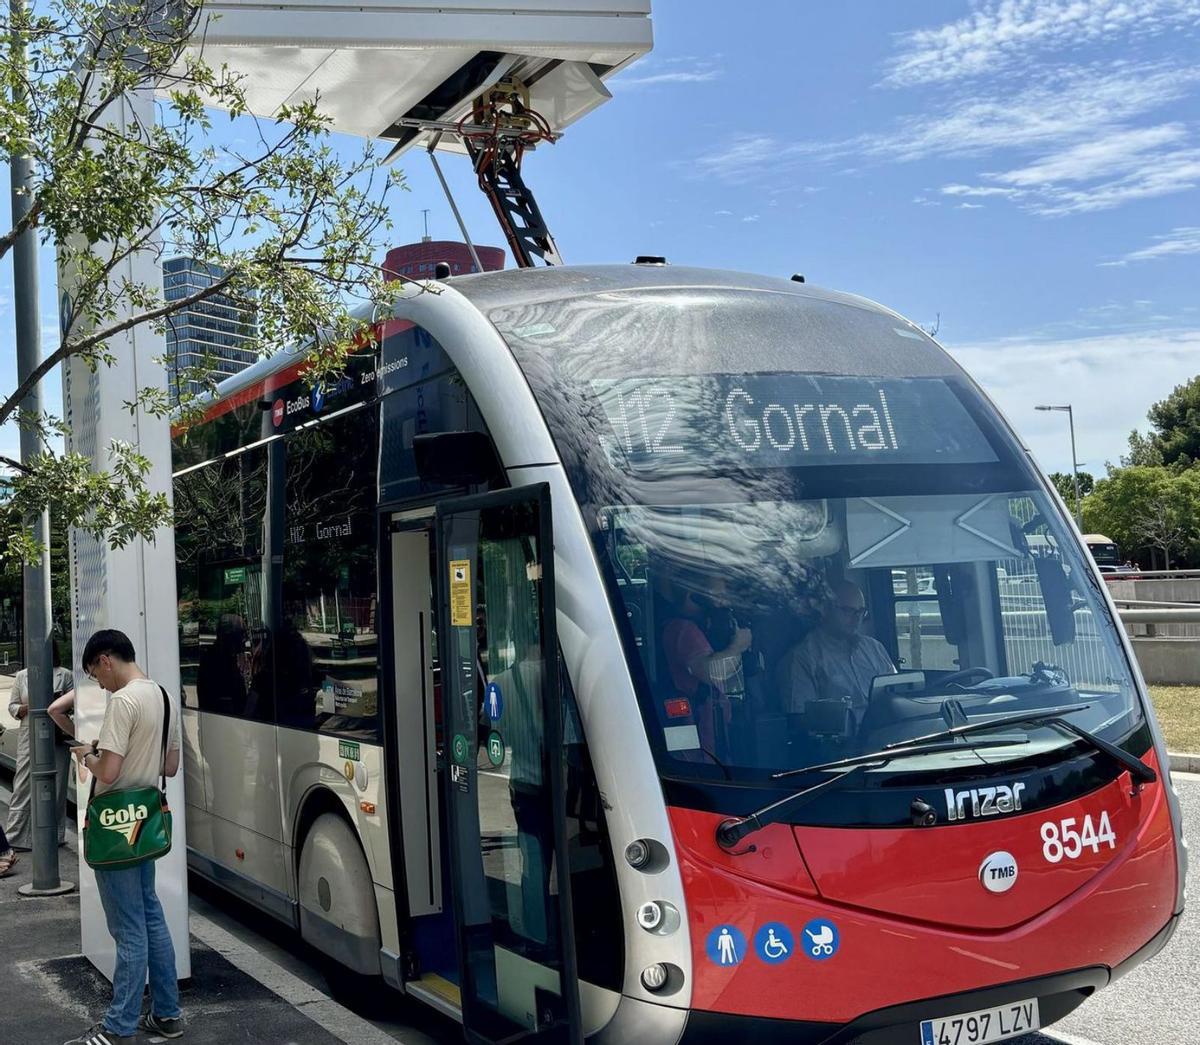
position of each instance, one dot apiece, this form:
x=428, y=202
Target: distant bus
x=1103, y=550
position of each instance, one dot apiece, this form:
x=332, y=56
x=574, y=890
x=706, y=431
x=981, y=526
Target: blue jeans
x=136, y=922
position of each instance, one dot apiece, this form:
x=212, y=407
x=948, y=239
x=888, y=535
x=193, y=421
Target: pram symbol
x=822, y=939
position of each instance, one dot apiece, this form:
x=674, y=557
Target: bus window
x=326, y=655
x=219, y=513
x=921, y=638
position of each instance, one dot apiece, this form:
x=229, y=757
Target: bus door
x=504, y=788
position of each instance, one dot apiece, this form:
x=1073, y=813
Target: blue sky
x=1028, y=170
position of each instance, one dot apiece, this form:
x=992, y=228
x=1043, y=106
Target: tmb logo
x=998, y=873
x=278, y=409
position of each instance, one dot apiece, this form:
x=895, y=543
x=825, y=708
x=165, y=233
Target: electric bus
x=643, y=653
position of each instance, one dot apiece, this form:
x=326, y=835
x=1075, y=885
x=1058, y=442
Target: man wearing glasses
x=835, y=660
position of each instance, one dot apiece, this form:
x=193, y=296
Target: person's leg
x=20, y=829
x=62, y=762
x=121, y=897
x=164, y=987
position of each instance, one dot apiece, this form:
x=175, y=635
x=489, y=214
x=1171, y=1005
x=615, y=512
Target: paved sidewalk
x=49, y=992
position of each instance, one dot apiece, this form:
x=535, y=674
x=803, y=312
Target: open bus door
x=504, y=785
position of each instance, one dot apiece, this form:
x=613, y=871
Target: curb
x=1184, y=763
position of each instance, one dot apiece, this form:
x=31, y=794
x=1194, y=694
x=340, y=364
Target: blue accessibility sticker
x=774, y=943
x=726, y=945
x=493, y=701
x=821, y=939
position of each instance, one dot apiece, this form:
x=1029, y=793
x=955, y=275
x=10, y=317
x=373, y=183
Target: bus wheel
x=338, y=915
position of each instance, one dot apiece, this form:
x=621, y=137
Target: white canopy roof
x=375, y=62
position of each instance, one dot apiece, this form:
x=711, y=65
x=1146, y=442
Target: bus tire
x=338, y=914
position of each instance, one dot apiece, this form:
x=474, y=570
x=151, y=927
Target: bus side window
x=326, y=652
x=440, y=403
x=219, y=512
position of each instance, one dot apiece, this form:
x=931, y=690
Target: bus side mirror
x=456, y=458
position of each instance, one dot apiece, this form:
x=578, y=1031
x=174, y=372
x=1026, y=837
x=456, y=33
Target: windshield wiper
x=1137, y=768
x=730, y=832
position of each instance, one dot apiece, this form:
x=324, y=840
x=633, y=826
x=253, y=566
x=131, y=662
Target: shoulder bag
x=127, y=827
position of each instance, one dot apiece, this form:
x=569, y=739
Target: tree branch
x=73, y=348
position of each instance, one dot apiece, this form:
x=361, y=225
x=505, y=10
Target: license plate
x=983, y=1026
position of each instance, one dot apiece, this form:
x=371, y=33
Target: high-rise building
x=211, y=333
x=419, y=260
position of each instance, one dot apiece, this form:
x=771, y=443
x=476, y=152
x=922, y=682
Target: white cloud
x=1119, y=152
x=1067, y=119
x=974, y=190
x=1179, y=241
x=750, y=217
x=1106, y=171
x=1001, y=33
x=1063, y=106
x=1110, y=380
x=723, y=213
x=745, y=155
x=969, y=206
x=699, y=70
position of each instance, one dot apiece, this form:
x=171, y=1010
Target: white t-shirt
x=133, y=724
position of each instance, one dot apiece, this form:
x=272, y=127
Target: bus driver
x=835, y=660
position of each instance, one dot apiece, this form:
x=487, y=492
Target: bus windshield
x=808, y=566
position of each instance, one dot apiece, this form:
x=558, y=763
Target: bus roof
x=1096, y=538
x=495, y=290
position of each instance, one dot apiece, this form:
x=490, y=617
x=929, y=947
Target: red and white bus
x=642, y=653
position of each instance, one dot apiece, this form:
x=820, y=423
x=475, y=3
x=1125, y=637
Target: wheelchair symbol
x=774, y=943
x=822, y=939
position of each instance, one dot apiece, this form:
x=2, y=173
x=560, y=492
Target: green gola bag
x=127, y=827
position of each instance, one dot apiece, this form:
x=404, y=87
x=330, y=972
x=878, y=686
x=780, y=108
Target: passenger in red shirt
x=698, y=672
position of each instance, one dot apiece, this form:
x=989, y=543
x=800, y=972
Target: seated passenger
x=835, y=660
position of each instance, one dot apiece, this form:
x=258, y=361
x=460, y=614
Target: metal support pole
x=36, y=610
x=1075, y=470
x=454, y=207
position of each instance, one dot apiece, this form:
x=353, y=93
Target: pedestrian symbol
x=774, y=943
x=821, y=939
x=726, y=945
x=494, y=701
x=459, y=748
x=495, y=749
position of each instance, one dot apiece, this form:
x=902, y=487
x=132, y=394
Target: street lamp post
x=1074, y=462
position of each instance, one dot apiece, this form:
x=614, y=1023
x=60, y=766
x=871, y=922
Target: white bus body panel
x=372, y=65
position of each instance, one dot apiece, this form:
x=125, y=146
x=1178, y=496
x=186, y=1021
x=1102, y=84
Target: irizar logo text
x=127, y=821
x=983, y=801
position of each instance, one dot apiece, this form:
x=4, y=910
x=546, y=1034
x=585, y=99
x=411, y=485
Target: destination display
x=785, y=421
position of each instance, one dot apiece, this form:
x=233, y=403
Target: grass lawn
x=1178, y=710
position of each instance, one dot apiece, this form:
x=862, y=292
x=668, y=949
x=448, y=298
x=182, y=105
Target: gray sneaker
x=99, y=1035
x=161, y=1026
